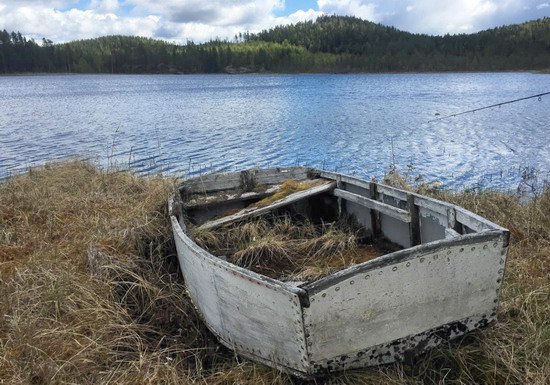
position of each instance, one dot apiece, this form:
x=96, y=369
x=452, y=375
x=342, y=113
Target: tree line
x=329, y=44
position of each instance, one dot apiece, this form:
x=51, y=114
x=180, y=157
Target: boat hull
x=444, y=283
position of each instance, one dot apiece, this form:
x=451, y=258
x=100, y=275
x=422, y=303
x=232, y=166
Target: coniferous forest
x=329, y=44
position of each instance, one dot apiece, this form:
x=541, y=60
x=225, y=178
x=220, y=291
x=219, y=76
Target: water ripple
x=186, y=125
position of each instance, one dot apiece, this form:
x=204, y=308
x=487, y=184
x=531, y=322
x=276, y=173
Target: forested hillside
x=329, y=44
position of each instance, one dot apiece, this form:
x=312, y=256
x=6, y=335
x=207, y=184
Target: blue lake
x=201, y=123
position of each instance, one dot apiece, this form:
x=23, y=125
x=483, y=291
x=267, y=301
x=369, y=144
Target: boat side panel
x=394, y=301
x=251, y=315
x=395, y=230
x=432, y=225
x=360, y=212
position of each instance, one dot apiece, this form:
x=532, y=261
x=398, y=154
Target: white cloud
x=105, y=6
x=213, y=12
x=458, y=16
x=200, y=20
x=363, y=9
x=60, y=26
x=174, y=20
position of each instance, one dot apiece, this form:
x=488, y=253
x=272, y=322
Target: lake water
x=195, y=124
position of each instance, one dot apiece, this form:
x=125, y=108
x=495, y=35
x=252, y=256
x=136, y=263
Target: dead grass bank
x=68, y=318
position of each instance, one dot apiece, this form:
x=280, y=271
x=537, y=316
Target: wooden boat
x=444, y=282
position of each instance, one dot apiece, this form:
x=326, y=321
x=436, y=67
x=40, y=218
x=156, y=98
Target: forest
x=338, y=44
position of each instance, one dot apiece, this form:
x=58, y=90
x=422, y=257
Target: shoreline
x=32, y=74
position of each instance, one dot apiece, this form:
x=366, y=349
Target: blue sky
x=296, y=5
x=200, y=20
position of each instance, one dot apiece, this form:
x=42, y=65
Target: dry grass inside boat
x=288, y=248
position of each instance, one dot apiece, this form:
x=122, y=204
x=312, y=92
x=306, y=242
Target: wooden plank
x=415, y=220
x=384, y=208
x=230, y=198
x=376, y=222
x=345, y=178
x=256, y=211
x=229, y=181
x=450, y=234
x=432, y=204
x=474, y=221
x=392, y=191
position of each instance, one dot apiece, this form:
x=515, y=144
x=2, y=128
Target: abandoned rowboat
x=444, y=282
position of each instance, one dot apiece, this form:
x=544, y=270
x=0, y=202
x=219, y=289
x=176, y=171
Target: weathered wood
x=256, y=211
x=432, y=225
x=474, y=221
x=432, y=204
x=345, y=178
x=230, y=181
x=374, y=215
x=450, y=234
x=230, y=198
x=414, y=226
x=392, y=192
x=384, y=208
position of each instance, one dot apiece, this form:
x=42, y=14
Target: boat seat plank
x=213, y=200
x=383, y=208
x=256, y=211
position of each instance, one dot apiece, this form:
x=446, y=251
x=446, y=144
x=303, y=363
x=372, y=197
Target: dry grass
x=119, y=314
x=288, y=187
x=284, y=248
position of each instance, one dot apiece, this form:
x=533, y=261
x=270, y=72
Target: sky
x=201, y=20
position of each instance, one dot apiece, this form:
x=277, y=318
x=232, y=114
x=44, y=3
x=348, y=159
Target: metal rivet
x=485, y=246
x=500, y=271
x=421, y=259
x=408, y=264
x=502, y=261
x=380, y=272
x=324, y=295
x=436, y=256
x=351, y=282
x=461, y=249
x=499, y=280
x=367, y=276
x=495, y=244
x=473, y=248
x=449, y=252
x=337, y=288
x=394, y=268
